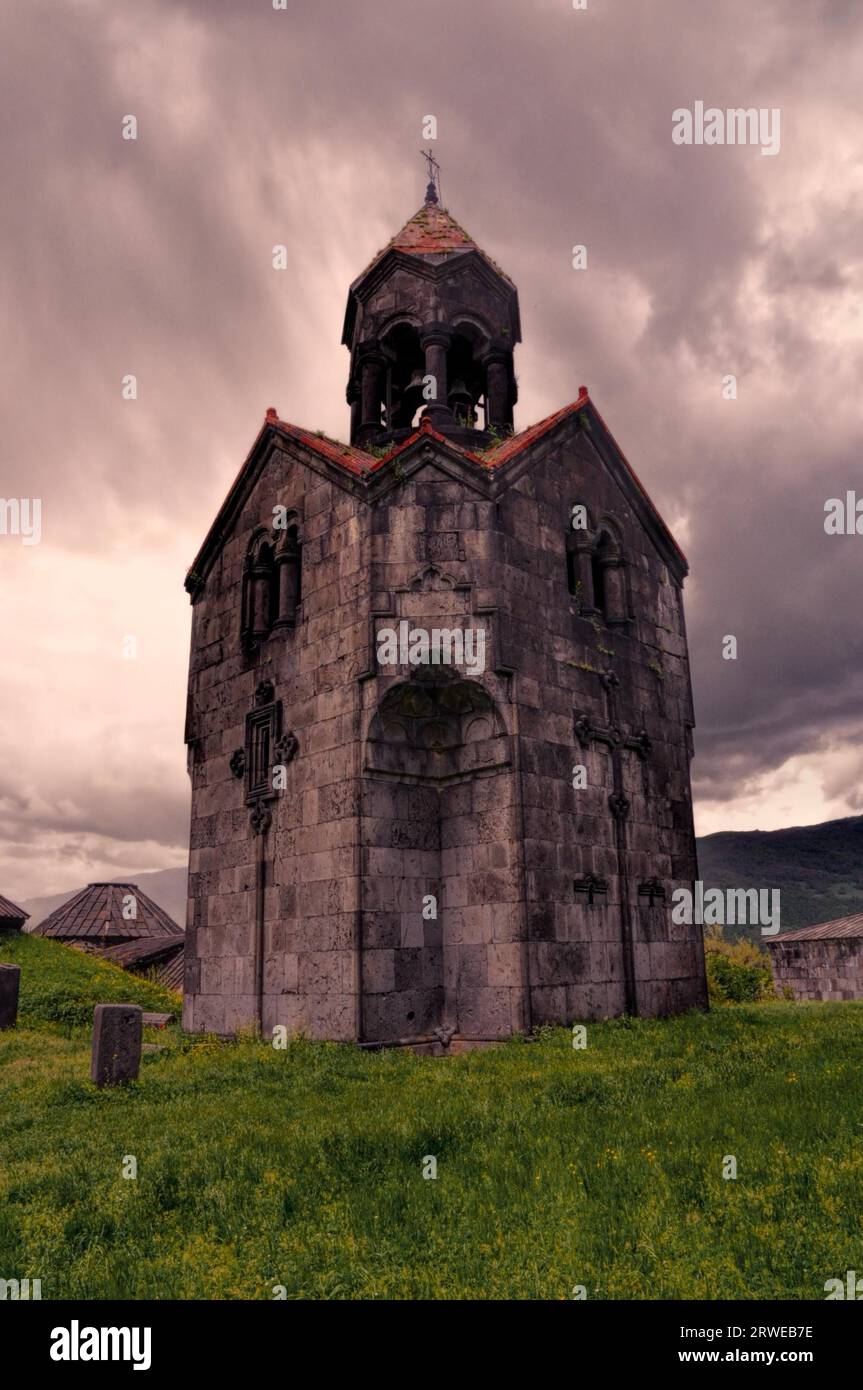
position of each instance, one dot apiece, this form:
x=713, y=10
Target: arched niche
x=434, y=727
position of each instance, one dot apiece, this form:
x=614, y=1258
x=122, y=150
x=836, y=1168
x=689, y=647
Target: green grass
x=556, y=1167
x=62, y=985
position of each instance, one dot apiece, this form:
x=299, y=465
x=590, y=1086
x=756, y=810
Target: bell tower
x=439, y=711
x=431, y=326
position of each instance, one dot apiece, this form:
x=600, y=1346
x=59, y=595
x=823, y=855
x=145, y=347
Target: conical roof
x=97, y=914
x=432, y=231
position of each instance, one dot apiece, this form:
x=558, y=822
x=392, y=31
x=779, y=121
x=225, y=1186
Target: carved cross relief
x=616, y=739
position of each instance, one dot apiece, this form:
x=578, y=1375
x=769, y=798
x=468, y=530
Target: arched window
x=579, y=544
x=466, y=377
x=259, y=581
x=272, y=582
x=404, y=376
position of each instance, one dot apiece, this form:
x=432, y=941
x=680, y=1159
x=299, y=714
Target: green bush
x=737, y=972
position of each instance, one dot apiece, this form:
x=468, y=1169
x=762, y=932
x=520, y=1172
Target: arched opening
x=404, y=376
x=259, y=591
x=428, y=921
x=466, y=378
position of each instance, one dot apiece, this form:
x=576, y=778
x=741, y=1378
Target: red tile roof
x=503, y=452
x=362, y=464
x=355, y=460
x=432, y=232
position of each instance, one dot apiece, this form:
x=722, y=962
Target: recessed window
x=272, y=584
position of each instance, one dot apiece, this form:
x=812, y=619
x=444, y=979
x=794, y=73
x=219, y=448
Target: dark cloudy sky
x=302, y=127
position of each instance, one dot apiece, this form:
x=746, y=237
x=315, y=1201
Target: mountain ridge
x=817, y=868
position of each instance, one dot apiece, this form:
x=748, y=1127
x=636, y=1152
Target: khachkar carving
x=618, y=739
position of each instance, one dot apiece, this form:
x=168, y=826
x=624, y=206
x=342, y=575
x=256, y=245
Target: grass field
x=555, y=1167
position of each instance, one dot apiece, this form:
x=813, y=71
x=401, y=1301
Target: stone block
x=10, y=982
x=116, y=1047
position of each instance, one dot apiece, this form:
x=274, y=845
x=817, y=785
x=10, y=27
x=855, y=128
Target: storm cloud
x=302, y=127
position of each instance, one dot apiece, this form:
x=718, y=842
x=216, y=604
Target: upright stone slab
x=117, y=1031
x=10, y=980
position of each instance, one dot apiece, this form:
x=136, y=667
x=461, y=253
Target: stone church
x=390, y=843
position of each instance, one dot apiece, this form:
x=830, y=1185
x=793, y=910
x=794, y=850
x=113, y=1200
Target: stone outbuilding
x=107, y=915
x=12, y=918
x=439, y=719
x=820, y=962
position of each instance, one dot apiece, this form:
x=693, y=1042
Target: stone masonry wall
x=311, y=894
x=576, y=953
x=475, y=807
x=825, y=969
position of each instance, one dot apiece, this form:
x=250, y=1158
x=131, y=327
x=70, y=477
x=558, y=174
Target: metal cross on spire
x=433, y=168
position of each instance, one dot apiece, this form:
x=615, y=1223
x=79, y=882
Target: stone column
x=580, y=548
x=615, y=588
x=372, y=368
x=260, y=601
x=498, y=404
x=288, y=561
x=10, y=981
x=353, y=398
x=435, y=341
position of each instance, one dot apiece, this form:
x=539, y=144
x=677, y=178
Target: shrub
x=737, y=972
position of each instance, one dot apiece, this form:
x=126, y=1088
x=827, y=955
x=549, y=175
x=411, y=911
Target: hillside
x=818, y=868
x=61, y=985
x=299, y=1173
